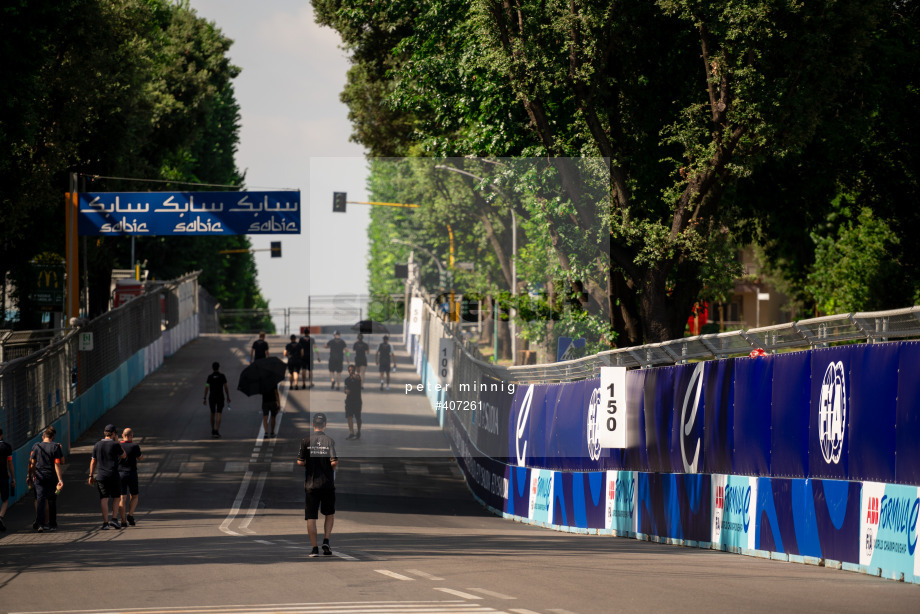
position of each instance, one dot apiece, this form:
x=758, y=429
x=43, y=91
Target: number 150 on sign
x=611, y=417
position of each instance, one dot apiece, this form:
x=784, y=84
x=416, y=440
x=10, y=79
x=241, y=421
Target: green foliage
x=683, y=99
x=131, y=88
x=854, y=271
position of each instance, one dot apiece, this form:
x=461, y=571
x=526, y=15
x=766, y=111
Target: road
x=220, y=526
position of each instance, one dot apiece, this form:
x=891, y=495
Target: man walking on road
x=214, y=389
x=293, y=351
x=353, y=402
x=127, y=474
x=383, y=357
x=271, y=404
x=337, y=347
x=259, y=348
x=317, y=456
x=46, y=475
x=361, y=349
x=307, y=347
x=103, y=472
x=7, y=477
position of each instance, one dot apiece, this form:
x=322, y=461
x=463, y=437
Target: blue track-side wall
x=807, y=457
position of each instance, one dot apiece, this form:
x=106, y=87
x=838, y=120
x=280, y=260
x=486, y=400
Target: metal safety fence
x=865, y=327
x=35, y=389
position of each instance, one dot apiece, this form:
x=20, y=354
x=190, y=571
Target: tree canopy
x=719, y=124
x=134, y=89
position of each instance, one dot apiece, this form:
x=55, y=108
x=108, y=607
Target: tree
x=682, y=98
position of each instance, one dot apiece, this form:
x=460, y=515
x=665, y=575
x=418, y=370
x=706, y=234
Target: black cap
x=319, y=419
x=336, y=333
x=109, y=428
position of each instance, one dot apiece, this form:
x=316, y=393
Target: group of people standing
x=112, y=469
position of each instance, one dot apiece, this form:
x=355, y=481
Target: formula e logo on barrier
x=832, y=412
x=694, y=389
x=521, y=426
x=898, y=515
x=594, y=444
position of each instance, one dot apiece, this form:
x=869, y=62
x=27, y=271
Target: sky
x=294, y=134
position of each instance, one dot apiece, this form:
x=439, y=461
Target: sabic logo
x=594, y=444
x=832, y=412
x=872, y=513
x=694, y=389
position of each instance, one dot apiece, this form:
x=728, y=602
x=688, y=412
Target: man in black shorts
x=307, y=347
x=259, y=348
x=127, y=474
x=7, y=477
x=317, y=456
x=292, y=351
x=361, y=349
x=337, y=347
x=383, y=358
x=214, y=390
x=103, y=472
x=46, y=475
x=353, y=402
x=271, y=405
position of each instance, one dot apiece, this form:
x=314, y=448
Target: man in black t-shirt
x=7, y=477
x=307, y=347
x=214, y=390
x=271, y=405
x=259, y=348
x=337, y=347
x=292, y=351
x=127, y=475
x=103, y=472
x=317, y=457
x=383, y=358
x=361, y=349
x=353, y=402
x=46, y=475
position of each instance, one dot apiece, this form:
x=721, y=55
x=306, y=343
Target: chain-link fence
x=35, y=389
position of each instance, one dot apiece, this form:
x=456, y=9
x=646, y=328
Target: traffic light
x=338, y=202
x=276, y=249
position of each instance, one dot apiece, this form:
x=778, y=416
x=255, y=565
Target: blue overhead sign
x=189, y=213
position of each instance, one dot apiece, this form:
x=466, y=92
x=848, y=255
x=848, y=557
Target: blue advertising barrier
x=807, y=457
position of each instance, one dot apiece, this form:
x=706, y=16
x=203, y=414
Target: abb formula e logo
x=693, y=394
x=832, y=412
x=872, y=513
x=521, y=426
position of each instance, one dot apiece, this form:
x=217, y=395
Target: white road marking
x=491, y=593
x=456, y=593
x=522, y=611
x=374, y=468
x=561, y=611
x=342, y=607
x=393, y=574
x=418, y=470
x=423, y=574
x=234, y=466
x=244, y=486
x=256, y=497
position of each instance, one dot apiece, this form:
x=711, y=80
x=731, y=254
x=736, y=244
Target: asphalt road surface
x=220, y=525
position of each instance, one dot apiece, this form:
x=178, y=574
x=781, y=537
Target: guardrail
x=864, y=327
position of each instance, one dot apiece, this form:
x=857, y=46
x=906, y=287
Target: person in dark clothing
x=307, y=347
x=361, y=349
x=7, y=477
x=337, y=347
x=353, y=402
x=259, y=348
x=271, y=405
x=215, y=389
x=383, y=358
x=46, y=475
x=293, y=352
x=127, y=474
x=103, y=472
x=317, y=456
